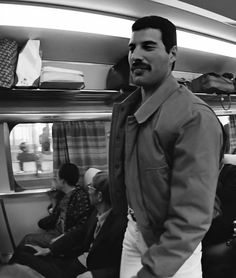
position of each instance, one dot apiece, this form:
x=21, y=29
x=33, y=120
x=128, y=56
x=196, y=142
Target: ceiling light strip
x=206, y=44
x=196, y=10
x=63, y=19
x=72, y=20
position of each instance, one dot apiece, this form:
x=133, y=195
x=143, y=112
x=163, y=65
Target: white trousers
x=134, y=247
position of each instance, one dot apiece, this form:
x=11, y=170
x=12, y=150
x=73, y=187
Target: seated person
x=219, y=244
x=93, y=251
x=71, y=211
x=26, y=156
x=89, y=175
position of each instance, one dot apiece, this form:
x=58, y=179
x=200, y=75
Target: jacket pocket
x=156, y=193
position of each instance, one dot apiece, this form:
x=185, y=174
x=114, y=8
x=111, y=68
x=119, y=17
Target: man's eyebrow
x=149, y=42
x=144, y=42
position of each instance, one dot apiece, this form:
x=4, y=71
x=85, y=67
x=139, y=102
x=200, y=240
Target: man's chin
x=138, y=81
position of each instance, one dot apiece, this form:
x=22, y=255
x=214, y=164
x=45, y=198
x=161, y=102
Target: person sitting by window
x=71, y=210
x=93, y=251
x=89, y=175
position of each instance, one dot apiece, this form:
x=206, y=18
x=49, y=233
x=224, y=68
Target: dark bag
x=48, y=222
x=118, y=77
x=210, y=83
x=8, y=61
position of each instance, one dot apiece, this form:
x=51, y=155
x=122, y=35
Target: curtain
x=83, y=143
x=232, y=133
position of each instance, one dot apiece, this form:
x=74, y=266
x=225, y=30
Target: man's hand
x=40, y=251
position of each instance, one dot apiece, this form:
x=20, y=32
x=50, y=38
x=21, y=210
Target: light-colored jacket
x=167, y=162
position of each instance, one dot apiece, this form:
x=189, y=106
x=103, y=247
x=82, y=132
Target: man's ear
x=99, y=196
x=173, y=54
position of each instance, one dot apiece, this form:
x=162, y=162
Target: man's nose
x=137, y=54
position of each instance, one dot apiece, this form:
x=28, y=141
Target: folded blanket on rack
x=61, y=78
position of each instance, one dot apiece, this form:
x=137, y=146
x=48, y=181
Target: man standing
x=44, y=140
x=165, y=154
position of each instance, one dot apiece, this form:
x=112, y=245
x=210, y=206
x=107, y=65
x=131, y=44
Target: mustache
x=139, y=65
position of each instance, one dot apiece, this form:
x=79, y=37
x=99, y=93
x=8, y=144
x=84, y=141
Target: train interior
x=26, y=112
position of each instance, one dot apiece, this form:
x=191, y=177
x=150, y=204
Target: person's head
x=68, y=175
x=89, y=174
x=45, y=130
x=98, y=190
x=152, y=50
x=24, y=147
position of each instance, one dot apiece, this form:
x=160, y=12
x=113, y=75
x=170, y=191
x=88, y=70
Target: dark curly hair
x=70, y=173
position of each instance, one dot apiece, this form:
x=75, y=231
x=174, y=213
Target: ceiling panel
x=71, y=46
x=225, y=8
x=139, y=8
x=81, y=47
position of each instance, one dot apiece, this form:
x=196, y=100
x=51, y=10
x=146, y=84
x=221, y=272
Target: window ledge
x=13, y=194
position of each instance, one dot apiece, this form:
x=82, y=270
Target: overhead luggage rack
x=56, y=94
x=223, y=103
x=56, y=97
x=55, y=105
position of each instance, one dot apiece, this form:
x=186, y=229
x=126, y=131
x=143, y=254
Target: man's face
x=25, y=148
x=149, y=62
x=92, y=192
x=58, y=183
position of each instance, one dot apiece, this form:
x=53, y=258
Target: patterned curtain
x=83, y=143
x=232, y=133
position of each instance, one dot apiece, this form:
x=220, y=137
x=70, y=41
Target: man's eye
x=148, y=47
x=131, y=48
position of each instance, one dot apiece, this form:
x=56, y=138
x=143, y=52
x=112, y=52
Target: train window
x=224, y=120
x=38, y=149
x=32, y=154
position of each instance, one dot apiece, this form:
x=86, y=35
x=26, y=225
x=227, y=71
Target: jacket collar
x=105, y=229
x=151, y=105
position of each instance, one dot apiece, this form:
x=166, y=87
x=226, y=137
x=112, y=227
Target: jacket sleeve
x=196, y=156
x=70, y=244
x=105, y=272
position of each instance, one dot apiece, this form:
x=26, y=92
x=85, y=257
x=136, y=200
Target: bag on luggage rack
x=8, y=60
x=118, y=77
x=210, y=83
x=29, y=65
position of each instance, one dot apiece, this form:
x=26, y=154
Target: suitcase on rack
x=211, y=83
